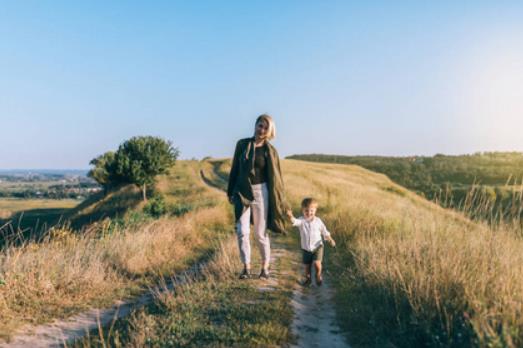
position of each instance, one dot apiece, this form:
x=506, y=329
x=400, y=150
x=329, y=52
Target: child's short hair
x=307, y=202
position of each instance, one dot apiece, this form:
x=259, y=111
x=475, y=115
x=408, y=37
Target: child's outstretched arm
x=295, y=222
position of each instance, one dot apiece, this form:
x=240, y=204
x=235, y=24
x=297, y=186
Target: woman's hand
x=289, y=214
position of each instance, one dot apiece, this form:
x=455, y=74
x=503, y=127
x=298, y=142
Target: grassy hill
x=406, y=272
x=68, y=272
x=35, y=216
x=489, y=168
x=216, y=308
x=485, y=185
x=22, y=219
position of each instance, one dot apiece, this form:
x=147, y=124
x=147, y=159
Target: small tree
x=104, y=170
x=140, y=159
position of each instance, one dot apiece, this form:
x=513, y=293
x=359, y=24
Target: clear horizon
x=7, y=170
x=339, y=77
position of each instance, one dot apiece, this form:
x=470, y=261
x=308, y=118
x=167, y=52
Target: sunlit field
x=408, y=271
x=11, y=206
x=213, y=308
x=68, y=271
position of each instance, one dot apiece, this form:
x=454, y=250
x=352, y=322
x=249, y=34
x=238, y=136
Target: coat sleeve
x=277, y=157
x=284, y=205
x=233, y=175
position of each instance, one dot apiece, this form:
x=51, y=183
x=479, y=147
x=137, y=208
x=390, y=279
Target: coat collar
x=251, y=146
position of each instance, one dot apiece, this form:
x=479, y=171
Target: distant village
x=47, y=184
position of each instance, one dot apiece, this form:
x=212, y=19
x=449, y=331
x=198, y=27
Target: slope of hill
x=485, y=185
x=490, y=168
x=214, y=308
x=406, y=271
x=68, y=272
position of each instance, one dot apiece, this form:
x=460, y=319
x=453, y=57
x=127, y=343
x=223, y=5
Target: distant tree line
x=136, y=161
x=492, y=180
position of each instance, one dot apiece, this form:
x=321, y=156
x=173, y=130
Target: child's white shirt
x=311, y=232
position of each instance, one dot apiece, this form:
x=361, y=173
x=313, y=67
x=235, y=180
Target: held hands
x=289, y=214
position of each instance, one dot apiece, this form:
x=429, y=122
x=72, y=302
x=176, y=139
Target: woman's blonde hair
x=271, y=129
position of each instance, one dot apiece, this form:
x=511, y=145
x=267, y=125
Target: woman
x=256, y=191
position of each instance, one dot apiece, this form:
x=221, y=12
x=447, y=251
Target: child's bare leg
x=307, y=270
x=306, y=274
x=317, y=267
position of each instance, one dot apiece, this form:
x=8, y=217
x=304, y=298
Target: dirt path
x=314, y=322
x=59, y=332
x=315, y=317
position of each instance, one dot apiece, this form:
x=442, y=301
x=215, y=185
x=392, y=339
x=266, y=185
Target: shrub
x=155, y=207
x=180, y=209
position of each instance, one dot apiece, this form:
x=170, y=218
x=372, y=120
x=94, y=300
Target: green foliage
x=140, y=159
x=132, y=219
x=104, y=170
x=137, y=161
x=156, y=206
x=180, y=209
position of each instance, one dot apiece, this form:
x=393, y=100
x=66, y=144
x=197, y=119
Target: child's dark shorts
x=310, y=256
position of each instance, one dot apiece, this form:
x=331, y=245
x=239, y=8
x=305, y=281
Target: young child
x=311, y=230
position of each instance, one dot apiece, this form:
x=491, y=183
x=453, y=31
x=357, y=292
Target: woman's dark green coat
x=240, y=189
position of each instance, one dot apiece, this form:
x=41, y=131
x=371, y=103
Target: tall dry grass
x=69, y=271
x=502, y=206
x=409, y=271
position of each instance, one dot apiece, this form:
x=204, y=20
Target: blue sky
x=388, y=78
